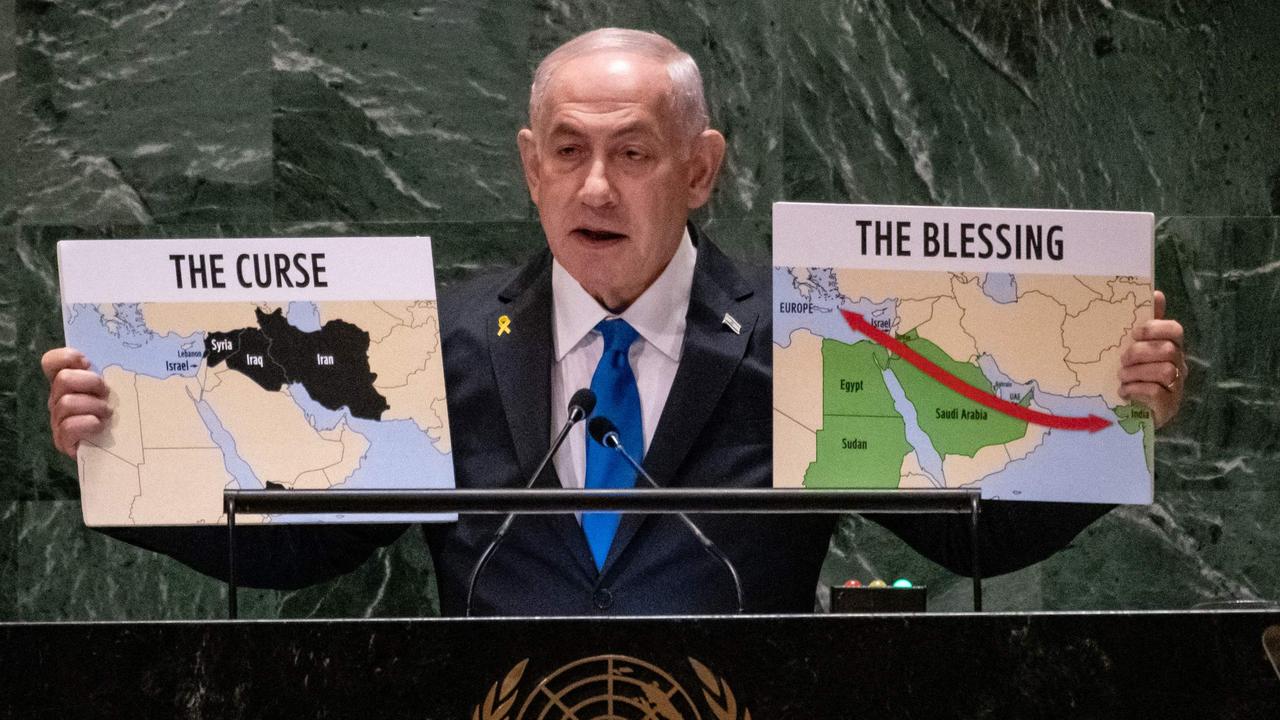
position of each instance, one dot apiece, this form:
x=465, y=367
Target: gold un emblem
x=609, y=687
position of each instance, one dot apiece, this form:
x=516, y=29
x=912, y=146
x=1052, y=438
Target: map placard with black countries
x=283, y=363
x=929, y=347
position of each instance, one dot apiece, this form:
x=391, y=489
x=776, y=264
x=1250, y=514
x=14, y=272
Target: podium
x=1201, y=664
x=636, y=500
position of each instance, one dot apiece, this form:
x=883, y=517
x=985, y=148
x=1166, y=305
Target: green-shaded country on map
x=1135, y=418
x=955, y=425
x=332, y=363
x=863, y=438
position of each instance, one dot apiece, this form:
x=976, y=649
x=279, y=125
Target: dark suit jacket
x=716, y=430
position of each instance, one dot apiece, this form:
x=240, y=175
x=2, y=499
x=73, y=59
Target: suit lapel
x=522, y=361
x=711, y=354
x=522, y=369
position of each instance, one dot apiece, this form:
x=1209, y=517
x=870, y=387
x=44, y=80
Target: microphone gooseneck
x=603, y=431
x=580, y=406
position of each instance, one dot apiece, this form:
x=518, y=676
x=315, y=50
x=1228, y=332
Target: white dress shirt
x=658, y=315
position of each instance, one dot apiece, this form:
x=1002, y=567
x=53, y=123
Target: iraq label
x=283, y=363
x=930, y=347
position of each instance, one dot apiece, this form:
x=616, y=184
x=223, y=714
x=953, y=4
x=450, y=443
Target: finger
x=68, y=434
x=1165, y=375
x=73, y=404
x=1159, y=400
x=1146, y=393
x=1159, y=330
x=59, y=359
x=1149, y=395
x=76, y=418
x=1152, y=351
x=82, y=382
x=1159, y=303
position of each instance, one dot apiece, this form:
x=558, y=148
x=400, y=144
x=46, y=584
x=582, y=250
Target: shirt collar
x=658, y=314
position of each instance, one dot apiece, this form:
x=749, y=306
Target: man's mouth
x=596, y=235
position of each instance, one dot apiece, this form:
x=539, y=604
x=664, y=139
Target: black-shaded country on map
x=332, y=363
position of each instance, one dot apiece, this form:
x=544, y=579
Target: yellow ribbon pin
x=504, y=325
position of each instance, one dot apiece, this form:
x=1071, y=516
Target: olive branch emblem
x=502, y=696
x=716, y=692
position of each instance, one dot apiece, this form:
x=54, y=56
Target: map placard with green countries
x=925, y=347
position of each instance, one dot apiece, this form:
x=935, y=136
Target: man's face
x=612, y=175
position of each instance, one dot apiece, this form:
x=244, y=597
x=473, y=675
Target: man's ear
x=704, y=166
x=529, y=160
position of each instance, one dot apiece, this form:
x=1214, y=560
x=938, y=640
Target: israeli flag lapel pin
x=732, y=323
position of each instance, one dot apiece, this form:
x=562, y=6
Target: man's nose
x=596, y=190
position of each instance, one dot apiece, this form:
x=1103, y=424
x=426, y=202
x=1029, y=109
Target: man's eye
x=568, y=151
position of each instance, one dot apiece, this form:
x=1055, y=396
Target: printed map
x=912, y=379
x=296, y=395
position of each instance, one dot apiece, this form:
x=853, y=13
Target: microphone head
x=599, y=427
x=583, y=401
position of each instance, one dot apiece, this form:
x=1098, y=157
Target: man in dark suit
x=715, y=429
x=618, y=152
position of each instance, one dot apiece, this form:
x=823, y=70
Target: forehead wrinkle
x=629, y=81
x=576, y=126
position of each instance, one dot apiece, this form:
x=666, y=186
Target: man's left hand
x=1154, y=368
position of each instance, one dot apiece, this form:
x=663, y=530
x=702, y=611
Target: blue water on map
x=825, y=320
x=1075, y=465
x=245, y=478
x=926, y=453
x=1005, y=387
x=303, y=315
x=400, y=454
x=400, y=457
x=1001, y=287
x=125, y=341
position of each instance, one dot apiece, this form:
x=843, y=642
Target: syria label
x=937, y=348
x=272, y=363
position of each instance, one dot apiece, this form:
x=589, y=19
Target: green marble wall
x=139, y=118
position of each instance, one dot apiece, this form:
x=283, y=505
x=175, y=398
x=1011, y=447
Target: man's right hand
x=77, y=398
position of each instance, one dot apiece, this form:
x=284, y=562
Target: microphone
x=603, y=431
x=580, y=406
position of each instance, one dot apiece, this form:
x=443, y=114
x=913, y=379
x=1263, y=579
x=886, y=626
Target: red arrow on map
x=1092, y=423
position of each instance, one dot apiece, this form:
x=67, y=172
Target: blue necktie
x=618, y=399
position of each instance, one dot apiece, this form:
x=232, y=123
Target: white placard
x=272, y=363
x=960, y=348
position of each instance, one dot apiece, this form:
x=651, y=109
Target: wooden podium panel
x=1076, y=665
